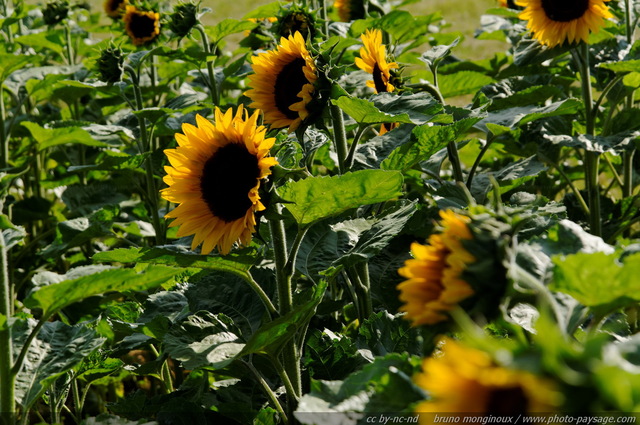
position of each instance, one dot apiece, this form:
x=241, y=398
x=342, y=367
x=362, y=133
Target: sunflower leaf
x=365, y=112
x=315, y=198
x=428, y=140
x=270, y=338
x=581, y=276
x=228, y=27
x=54, y=297
x=49, y=137
x=237, y=262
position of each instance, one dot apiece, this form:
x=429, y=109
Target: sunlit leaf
x=50, y=137
x=57, y=296
x=318, y=197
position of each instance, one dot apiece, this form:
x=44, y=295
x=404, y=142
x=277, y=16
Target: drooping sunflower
x=434, y=284
x=554, y=22
x=214, y=176
x=373, y=59
x=467, y=381
x=142, y=26
x=115, y=8
x=282, y=83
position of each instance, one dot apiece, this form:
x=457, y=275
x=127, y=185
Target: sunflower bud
x=296, y=20
x=111, y=64
x=183, y=19
x=55, y=11
x=115, y=8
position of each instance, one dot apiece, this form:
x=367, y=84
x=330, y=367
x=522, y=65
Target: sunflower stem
x=476, y=163
x=340, y=137
x=285, y=304
x=354, y=146
x=364, y=283
x=452, y=148
x=213, y=88
x=4, y=139
x=69, y=47
x=592, y=159
x=268, y=391
x=145, y=147
x=7, y=377
x=260, y=292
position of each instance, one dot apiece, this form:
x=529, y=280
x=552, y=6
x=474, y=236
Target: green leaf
x=365, y=112
x=237, y=262
x=517, y=116
x=204, y=339
x=382, y=386
x=227, y=27
x=43, y=40
x=384, y=333
x=57, y=349
x=433, y=57
x=81, y=230
x=50, y=137
x=270, y=338
x=428, y=140
x=268, y=10
x=314, y=198
x=631, y=65
x=378, y=234
x=599, y=144
x=98, y=366
x=57, y=296
x=227, y=294
x=420, y=107
x=598, y=280
x=11, y=62
x=329, y=355
x=463, y=82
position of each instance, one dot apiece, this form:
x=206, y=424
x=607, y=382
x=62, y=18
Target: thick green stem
x=260, y=292
x=452, y=148
x=476, y=163
x=340, y=137
x=69, y=47
x=364, y=288
x=213, y=88
x=354, y=147
x=285, y=304
x=7, y=377
x=592, y=159
x=627, y=187
x=4, y=140
x=143, y=144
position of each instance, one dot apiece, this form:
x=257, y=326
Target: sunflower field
x=319, y=214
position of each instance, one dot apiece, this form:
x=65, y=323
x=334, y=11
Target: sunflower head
x=110, y=65
x=555, y=22
x=55, y=11
x=282, y=84
x=295, y=20
x=183, y=19
x=349, y=10
x=115, y=8
x=463, y=380
x=460, y=266
x=214, y=178
x=373, y=59
x=142, y=26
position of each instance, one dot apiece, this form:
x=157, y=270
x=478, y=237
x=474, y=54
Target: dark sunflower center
x=142, y=26
x=114, y=5
x=564, y=10
x=507, y=401
x=227, y=178
x=378, y=80
x=289, y=82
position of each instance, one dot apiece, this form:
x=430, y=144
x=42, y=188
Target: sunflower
x=434, y=282
x=142, y=26
x=282, y=83
x=554, y=22
x=463, y=380
x=373, y=59
x=115, y=8
x=214, y=176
